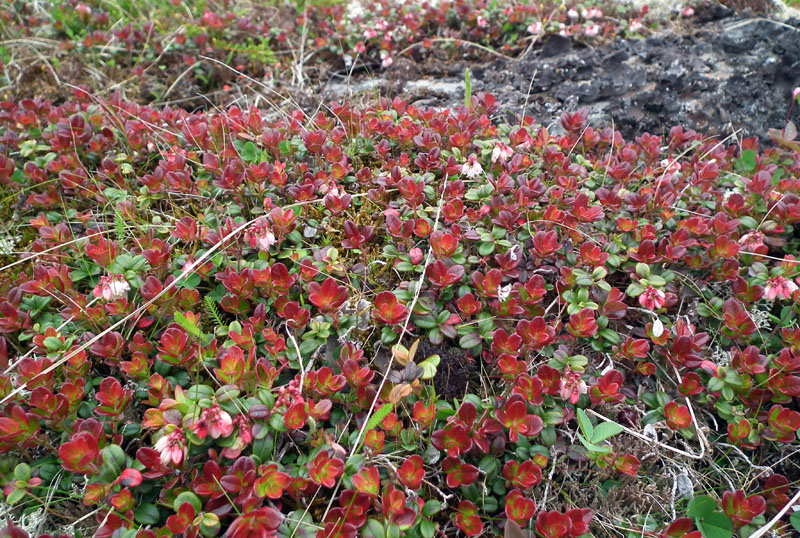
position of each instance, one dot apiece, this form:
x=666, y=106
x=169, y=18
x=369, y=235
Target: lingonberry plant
x=394, y=321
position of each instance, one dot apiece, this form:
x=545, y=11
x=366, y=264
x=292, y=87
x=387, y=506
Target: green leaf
x=429, y=366
x=748, y=160
x=469, y=341
x=51, y=343
x=605, y=431
x=700, y=507
x=211, y=310
x=248, y=152
x=425, y=322
x=427, y=528
x=794, y=519
x=147, y=514
x=748, y=222
x=188, y=497
x=634, y=290
x=467, y=89
x=373, y=529
x=22, y=472
x=378, y=416
x=354, y=463
x=592, y=447
x=392, y=531
x=15, y=496
x=485, y=248
x=488, y=465
x=310, y=346
x=716, y=525
x=431, y=507
x=611, y=336
x=187, y=325
x=585, y=424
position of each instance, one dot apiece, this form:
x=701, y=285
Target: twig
x=299, y=357
x=527, y=95
x=458, y=41
x=547, y=486
x=771, y=523
x=649, y=440
x=102, y=523
x=177, y=80
x=35, y=255
x=751, y=21
x=768, y=471
x=704, y=444
x=445, y=497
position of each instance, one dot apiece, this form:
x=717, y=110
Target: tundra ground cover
x=392, y=321
x=144, y=47
x=216, y=321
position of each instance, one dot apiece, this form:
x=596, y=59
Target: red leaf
x=388, y=310
x=256, y=523
x=518, y=508
x=130, y=478
x=80, y=453
x=324, y=470
x=296, y=417
x=328, y=296
x=467, y=519
x=412, y=471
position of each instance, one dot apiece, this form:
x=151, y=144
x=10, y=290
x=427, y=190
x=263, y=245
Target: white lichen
x=8, y=244
x=720, y=357
x=760, y=318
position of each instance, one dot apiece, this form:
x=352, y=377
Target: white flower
x=594, y=13
x=573, y=14
x=172, y=447
x=261, y=236
x=503, y=292
x=592, y=30
x=535, y=28
x=472, y=168
x=779, y=287
x=112, y=287
x=671, y=167
x=501, y=152
x=635, y=26
x=658, y=327
x=265, y=241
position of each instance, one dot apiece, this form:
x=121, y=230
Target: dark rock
x=555, y=45
x=724, y=74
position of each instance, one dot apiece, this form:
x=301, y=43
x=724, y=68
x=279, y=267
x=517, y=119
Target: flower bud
x=209, y=524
